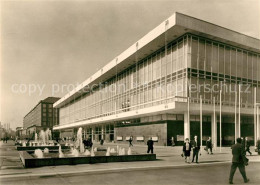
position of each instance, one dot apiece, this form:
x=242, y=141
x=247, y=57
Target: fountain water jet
x=35, y=137
x=46, y=150
x=129, y=152
x=60, y=152
x=87, y=153
x=79, y=142
x=108, y=151
x=75, y=152
x=92, y=152
x=38, y=153
x=42, y=137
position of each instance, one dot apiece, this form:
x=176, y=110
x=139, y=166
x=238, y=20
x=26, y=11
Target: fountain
x=38, y=153
x=129, y=152
x=87, y=153
x=60, y=152
x=79, y=142
x=121, y=151
x=48, y=155
x=35, y=137
x=108, y=151
x=92, y=154
x=75, y=152
x=42, y=137
x=46, y=150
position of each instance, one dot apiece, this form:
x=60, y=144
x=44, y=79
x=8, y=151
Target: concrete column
x=102, y=132
x=92, y=135
x=186, y=125
x=214, y=130
x=258, y=123
x=237, y=134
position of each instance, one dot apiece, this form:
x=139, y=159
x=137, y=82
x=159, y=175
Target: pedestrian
x=150, y=145
x=239, y=161
x=101, y=142
x=196, y=149
x=186, y=150
x=172, y=141
x=209, y=145
x=247, y=145
x=130, y=141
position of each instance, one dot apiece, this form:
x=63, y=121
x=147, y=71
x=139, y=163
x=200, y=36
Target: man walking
x=196, y=149
x=239, y=161
x=130, y=141
x=247, y=145
x=150, y=145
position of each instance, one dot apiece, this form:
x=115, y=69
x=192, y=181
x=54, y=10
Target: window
x=227, y=60
x=208, y=56
x=201, y=54
x=221, y=59
x=214, y=60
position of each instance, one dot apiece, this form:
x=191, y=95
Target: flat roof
x=175, y=26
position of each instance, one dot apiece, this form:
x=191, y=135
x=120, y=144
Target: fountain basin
x=30, y=162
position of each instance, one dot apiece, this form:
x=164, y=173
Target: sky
x=48, y=47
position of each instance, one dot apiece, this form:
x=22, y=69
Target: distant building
x=19, y=132
x=1, y=131
x=42, y=116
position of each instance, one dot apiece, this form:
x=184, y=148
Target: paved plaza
x=168, y=168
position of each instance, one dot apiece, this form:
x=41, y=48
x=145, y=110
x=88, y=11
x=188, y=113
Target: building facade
x=183, y=78
x=42, y=116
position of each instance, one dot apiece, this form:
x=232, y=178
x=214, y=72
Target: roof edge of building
x=173, y=20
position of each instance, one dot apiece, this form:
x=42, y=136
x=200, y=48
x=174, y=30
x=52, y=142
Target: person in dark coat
x=196, y=149
x=247, y=145
x=209, y=145
x=239, y=161
x=130, y=141
x=186, y=150
x=150, y=145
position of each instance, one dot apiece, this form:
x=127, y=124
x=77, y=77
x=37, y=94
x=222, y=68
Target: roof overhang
x=176, y=25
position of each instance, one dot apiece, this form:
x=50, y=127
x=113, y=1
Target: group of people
x=194, y=146
x=88, y=143
x=239, y=150
x=126, y=106
x=5, y=139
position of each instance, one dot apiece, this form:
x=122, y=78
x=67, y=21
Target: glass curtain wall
x=159, y=78
x=216, y=66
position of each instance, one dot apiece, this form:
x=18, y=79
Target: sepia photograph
x=132, y=92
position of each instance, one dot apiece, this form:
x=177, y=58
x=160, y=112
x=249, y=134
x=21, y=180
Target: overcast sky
x=53, y=43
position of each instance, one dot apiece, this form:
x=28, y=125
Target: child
x=187, y=150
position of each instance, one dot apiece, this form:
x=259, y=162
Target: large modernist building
x=184, y=78
x=42, y=116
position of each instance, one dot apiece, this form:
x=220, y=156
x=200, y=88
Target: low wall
x=31, y=162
